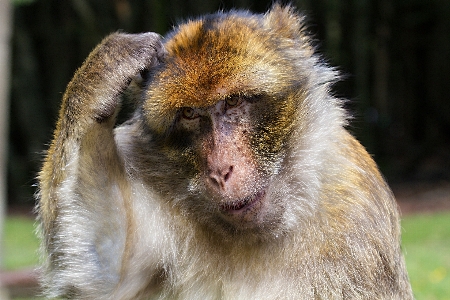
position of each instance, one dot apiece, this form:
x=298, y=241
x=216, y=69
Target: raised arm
x=83, y=175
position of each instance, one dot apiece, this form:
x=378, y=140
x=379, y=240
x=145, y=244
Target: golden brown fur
x=234, y=179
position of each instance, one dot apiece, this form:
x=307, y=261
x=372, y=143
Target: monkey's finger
x=107, y=72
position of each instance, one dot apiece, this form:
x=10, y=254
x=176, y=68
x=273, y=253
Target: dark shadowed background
x=395, y=55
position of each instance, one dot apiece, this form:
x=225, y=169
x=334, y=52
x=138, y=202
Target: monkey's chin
x=244, y=211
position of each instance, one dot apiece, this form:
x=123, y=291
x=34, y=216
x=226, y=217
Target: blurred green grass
x=20, y=243
x=426, y=244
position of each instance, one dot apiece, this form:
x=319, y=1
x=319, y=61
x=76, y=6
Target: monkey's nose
x=220, y=177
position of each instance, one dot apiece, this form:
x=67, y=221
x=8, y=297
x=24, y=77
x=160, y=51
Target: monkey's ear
x=285, y=21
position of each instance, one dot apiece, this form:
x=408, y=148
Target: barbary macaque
x=233, y=178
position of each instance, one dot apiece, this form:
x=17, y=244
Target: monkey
x=235, y=177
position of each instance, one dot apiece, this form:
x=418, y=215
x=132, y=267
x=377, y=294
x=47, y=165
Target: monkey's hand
x=93, y=93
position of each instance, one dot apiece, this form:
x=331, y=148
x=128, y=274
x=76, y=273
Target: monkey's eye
x=188, y=113
x=232, y=101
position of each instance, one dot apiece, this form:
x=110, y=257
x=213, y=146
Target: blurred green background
x=394, y=55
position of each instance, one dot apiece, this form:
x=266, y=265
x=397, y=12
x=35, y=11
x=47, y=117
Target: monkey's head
x=224, y=108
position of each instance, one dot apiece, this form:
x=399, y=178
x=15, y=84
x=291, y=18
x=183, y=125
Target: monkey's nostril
x=228, y=174
x=214, y=180
x=219, y=178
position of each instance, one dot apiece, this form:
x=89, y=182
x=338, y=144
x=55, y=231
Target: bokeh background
x=394, y=56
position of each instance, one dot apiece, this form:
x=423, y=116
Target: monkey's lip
x=242, y=204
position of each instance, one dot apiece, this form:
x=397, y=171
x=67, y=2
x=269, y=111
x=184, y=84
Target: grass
x=426, y=243
x=20, y=243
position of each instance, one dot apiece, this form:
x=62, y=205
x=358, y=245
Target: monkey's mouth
x=242, y=204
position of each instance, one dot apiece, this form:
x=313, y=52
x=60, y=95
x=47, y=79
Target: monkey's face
x=223, y=108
